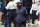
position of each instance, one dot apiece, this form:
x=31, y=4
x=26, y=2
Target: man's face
x=19, y=4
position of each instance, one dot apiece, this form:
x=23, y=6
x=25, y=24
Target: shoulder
x=10, y=2
x=24, y=8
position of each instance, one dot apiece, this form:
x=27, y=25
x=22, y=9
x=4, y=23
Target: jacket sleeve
x=26, y=16
x=7, y=7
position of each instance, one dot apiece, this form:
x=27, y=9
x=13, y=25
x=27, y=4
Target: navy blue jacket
x=21, y=14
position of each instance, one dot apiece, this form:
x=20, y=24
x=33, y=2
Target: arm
x=8, y=5
x=27, y=17
x=31, y=11
x=37, y=13
x=38, y=10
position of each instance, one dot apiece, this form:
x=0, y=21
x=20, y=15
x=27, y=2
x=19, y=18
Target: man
x=4, y=11
x=21, y=16
x=11, y=7
x=4, y=14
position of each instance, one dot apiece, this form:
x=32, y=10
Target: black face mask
x=19, y=6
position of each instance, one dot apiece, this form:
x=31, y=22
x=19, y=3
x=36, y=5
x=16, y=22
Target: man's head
x=19, y=4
